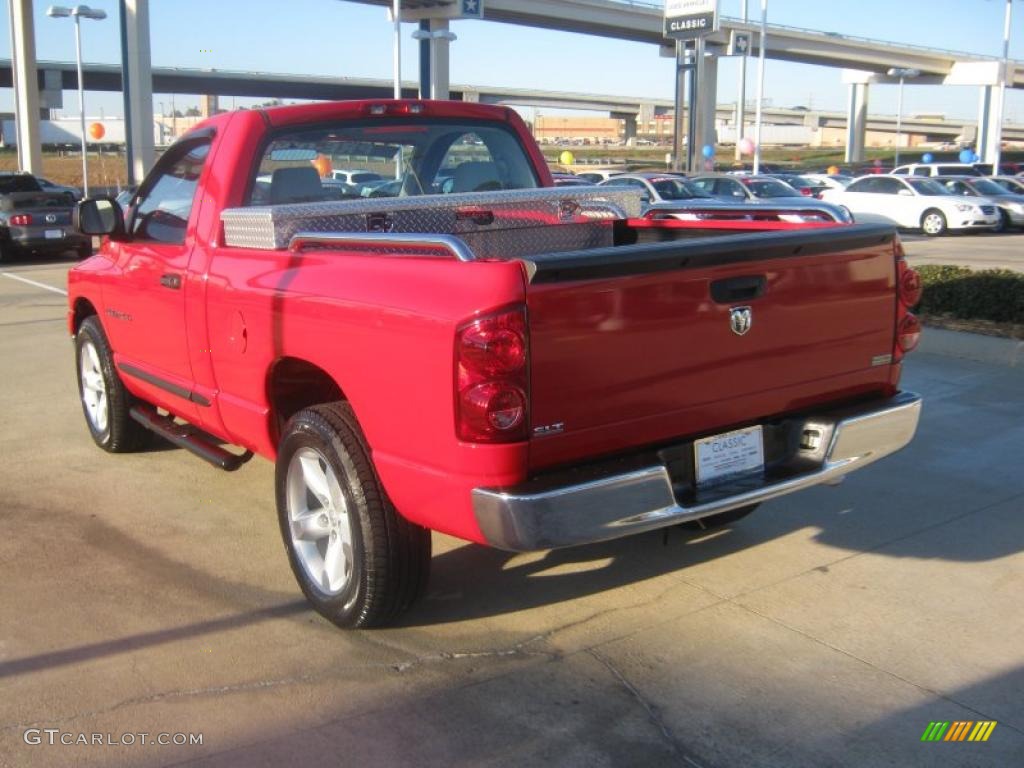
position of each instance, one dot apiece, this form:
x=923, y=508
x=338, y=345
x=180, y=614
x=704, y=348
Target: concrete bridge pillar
x=989, y=137
x=857, y=123
x=26, y=86
x=137, y=87
x=630, y=122
x=440, y=69
x=706, y=106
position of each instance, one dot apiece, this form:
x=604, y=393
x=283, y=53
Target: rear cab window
x=403, y=157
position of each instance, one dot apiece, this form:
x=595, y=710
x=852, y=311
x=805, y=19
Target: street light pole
x=81, y=105
x=396, y=11
x=902, y=73
x=77, y=13
x=760, y=86
x=899, y=124
x=741, y=99
x=1002, y=88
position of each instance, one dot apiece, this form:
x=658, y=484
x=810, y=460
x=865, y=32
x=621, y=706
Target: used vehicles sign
x=688, y=19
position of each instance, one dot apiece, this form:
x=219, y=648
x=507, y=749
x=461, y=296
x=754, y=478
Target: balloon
x=746, y=146
x=967, y=156
x=833, y=170
x=927, y=157
x=323, y=166
x=97, y=131
x=708, y=151
x=566, y=158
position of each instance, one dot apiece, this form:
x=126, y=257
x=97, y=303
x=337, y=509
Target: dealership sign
x=689, y=19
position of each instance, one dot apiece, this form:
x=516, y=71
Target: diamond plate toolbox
x=505, y=224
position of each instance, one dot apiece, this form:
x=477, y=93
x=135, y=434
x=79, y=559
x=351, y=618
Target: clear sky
x=337, y=37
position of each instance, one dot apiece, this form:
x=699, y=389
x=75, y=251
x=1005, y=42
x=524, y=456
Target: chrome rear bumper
x=542, y=515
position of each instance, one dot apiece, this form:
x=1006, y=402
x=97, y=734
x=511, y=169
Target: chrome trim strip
x=454, y=245
x=643, y=500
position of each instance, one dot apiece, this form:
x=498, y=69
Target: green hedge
x=996, y=295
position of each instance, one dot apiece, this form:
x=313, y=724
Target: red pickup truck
x=468, y=349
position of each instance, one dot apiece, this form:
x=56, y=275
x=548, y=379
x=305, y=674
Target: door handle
x=170, y=280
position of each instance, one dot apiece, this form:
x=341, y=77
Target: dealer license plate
x=54, y=234
x=725, y=456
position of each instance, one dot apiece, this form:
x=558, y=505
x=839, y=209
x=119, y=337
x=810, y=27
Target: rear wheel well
x=295, y=384
x=83, y=309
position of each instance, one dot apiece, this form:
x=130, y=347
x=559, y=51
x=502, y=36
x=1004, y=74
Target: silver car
x=1011, y=205
x=766, y=190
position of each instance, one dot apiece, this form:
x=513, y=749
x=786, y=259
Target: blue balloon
x=967, y=156
x=708, y=151
x=927, y=157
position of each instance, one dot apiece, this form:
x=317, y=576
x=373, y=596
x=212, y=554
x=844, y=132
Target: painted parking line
x=44, y=286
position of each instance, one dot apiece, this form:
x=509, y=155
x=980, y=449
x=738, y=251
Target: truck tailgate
x=638, y=345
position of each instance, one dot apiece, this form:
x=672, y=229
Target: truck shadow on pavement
x=472, y=581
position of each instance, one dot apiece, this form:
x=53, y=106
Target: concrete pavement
x=150, y=593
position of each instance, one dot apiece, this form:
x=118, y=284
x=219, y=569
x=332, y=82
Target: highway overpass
x=107, y=77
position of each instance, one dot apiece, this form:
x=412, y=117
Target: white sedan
x=915, y=203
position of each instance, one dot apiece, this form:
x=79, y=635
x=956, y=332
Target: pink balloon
x=746, y=146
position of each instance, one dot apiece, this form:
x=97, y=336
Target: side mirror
x=100, y=216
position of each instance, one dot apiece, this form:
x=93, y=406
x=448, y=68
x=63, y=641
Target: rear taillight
x=21, y=219
x=910, y=287
x=908, y=334
x=492, y=378
x=908, y=294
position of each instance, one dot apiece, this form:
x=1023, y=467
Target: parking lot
x=149, y=593
x=978, y=251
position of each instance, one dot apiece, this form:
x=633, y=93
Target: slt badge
x=740, y=320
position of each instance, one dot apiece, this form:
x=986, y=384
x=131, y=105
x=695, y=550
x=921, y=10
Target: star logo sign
x=471, y=7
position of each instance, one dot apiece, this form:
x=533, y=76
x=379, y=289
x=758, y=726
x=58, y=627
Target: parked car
x=519, y=372
x=1013, y=184
x=356, y=177
x=764, y=190
x=1006, y=166
x=744, y=188
x=35, y=222
x=596, y=176
x=805, y=185
x=936, y=169
x=657, y=188
x=569, y=180
x=389, y=188
x=829, y=181
x=1011, y=205
x=74, y=194
x=916, y=203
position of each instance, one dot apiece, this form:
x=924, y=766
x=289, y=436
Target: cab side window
x=162, y=212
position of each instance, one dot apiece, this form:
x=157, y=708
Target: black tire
x=387, y=560
x=720, y=520
x=118, y=432
x=6, y=252
x=84, y=251
x=933, y=222
x=1004, y=224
